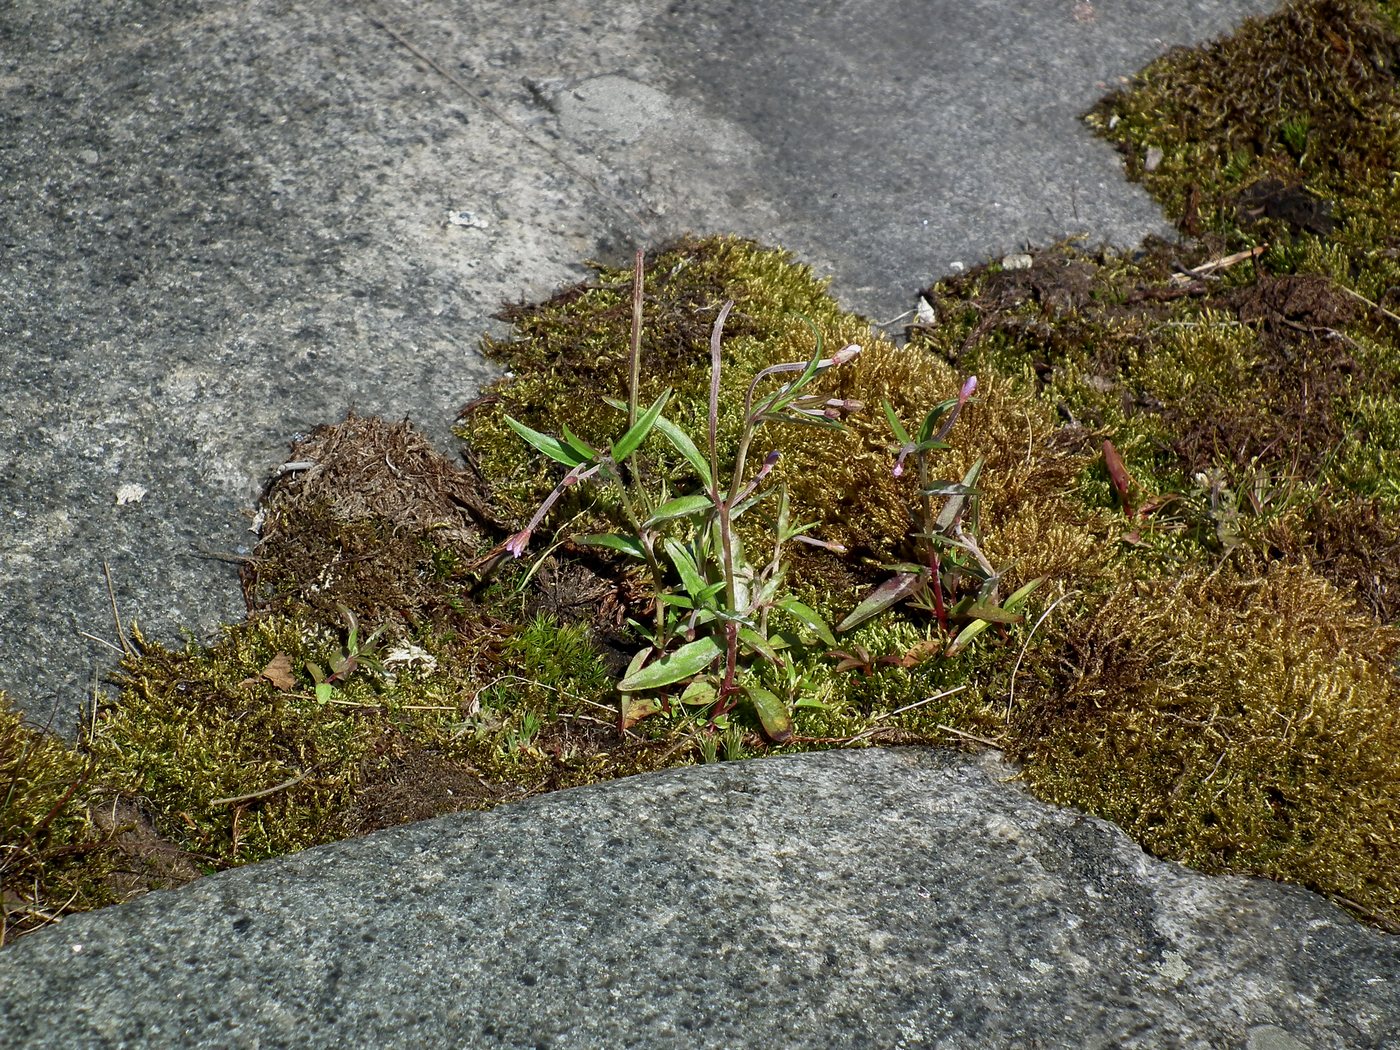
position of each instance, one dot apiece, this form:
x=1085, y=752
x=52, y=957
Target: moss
x=1233, y=722
x=53, y=858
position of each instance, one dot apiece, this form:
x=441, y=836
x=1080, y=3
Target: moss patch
x=1195, y=444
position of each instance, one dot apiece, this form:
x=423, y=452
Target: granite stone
x=896, y=898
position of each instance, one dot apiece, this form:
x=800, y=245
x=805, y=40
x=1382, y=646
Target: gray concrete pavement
x=222, y=223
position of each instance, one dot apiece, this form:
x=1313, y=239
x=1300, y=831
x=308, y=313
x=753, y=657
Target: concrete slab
x=222, y=223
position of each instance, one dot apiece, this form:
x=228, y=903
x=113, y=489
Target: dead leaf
x=925, y=650
x=1119, y=476
x=279, y=672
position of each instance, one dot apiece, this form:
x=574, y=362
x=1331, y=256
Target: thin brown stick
x=1222, y=263
x=116, y=616
x=264, y=792
x=634, y=377
x=1368, y=302
x=969, y=736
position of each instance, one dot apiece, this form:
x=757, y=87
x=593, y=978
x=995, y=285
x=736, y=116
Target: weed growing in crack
x=952, y=579
x=714, y=599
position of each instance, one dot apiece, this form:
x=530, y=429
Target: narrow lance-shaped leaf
x=583, y=448
x=901, y=435
x=938, y=411
x=1022, y=593
x=983, y=610
x=809, y=618
x=550, y=446
x=680, y=507
x=626, y=544
x=686, y=662
x=886, y=596
x=954, y=507
x=691, y=578
x=759, y=644
x=632, y=440
x=965, y=636
x=681, y=442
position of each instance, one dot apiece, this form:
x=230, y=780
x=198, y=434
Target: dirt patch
x=367, y=514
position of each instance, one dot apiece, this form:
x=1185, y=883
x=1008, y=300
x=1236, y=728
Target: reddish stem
x=939, y=610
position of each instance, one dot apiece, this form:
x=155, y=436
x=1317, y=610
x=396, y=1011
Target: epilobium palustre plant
x=713, y=602
x=952, y=579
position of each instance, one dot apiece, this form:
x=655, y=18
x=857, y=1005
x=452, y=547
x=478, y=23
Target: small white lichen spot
x=1020, y=261
x=1173, y=967
x=926, y=314
x=409, y=655
x=466, y=218
x=129, y=494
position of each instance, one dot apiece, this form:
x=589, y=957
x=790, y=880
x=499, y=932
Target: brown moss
x=1234, y=723
x=371, y=517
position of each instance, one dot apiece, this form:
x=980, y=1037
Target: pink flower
x=518, y=542
x=967, y=390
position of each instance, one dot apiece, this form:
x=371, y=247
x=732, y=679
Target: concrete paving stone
x=222, y=223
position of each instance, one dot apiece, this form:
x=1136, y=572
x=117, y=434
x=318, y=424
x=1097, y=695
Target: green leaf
x=699, y=693
x=583, y=448
x=980, y=610
x=948, y=488
x=692, y=579
x=686, y=662
x=772, y=713
x=759, y=644
x=954, y=506
x=900, y=434
x=632, y=440
x=931, y=420
x=809, y=618
x=626, y=544
x=680, y=440
x=886, y=596
x=1022, y=593
x=965, y=636
x=749, y=503
x=680, y=507
x=551, y=447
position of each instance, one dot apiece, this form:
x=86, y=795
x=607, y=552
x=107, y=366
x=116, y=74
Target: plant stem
x=635, y=373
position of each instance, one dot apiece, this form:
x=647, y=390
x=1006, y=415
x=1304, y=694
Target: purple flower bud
x=967, y=389
x=517, y=543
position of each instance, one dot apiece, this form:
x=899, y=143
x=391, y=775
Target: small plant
x=713, y=603
x=950, y=558
x=355, y=655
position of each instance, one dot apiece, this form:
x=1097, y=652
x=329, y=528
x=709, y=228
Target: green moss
x=53, y=858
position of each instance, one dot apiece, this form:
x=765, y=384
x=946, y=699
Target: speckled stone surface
x=909, y=898
x=224, y=222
